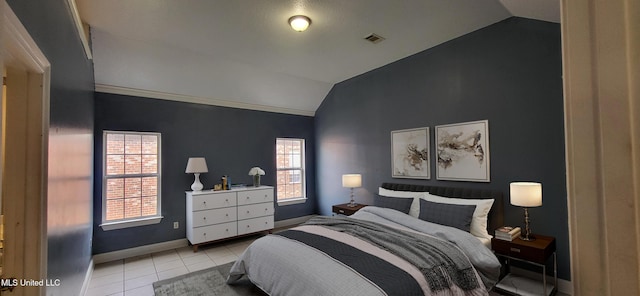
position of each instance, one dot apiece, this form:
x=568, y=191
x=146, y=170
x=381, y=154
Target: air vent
x=374, y=38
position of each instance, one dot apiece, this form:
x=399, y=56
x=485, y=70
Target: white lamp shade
x=351, y=180
x=526, y=194
x=299, y=22
x=196, y=165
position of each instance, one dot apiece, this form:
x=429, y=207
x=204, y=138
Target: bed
x=389, y=248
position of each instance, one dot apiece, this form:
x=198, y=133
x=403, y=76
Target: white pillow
x=480, y=215
x=414, y=210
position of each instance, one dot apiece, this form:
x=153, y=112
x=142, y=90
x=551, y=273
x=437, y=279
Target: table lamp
x=351, y=181
x=196, y=165
x=526, y=195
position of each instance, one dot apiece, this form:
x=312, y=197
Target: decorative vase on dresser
x=216, y=215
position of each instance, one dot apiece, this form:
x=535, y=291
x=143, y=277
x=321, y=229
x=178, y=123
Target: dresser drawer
x=255, y=225
x=255, y=210
x=213, y=232
x=214, y=201
x=215, y=216
x=255, y=196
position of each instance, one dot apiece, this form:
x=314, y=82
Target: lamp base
x=352, y=203
x=197, y=186
x=528, y=238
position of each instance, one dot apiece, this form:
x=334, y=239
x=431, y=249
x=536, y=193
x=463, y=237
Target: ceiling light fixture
x=299, y=22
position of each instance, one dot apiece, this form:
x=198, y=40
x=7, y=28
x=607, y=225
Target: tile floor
x=136, y=275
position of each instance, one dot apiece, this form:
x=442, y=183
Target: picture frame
x=410, y=155
x=462, y=151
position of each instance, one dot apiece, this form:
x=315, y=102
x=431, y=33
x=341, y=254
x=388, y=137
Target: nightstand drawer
x=345, y=209
x=537, y=251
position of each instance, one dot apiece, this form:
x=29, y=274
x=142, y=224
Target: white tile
x=140, y=281
x=237, y=250
x=225, y=260
x=106, y=290
x=167, y=274
x=146, y=290
x=108, y=268
x=169, y=265
x=105, y=280
x=195, y=259
x=138, y=272
x=165, y=256
x=187, y=252
x=200, y=266
x=138, y=262
x=218, y=252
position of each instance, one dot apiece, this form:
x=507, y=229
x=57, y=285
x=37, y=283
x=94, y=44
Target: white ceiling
x=242, y=53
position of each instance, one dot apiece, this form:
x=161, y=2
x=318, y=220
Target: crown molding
x=118, y=90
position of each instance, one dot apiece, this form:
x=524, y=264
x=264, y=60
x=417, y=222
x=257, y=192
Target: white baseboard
x=564, y=286
x=292, y=221
x=87, y=278
x=138, y=251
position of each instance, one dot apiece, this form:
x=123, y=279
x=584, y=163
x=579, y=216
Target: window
x=290, y=166
x=131, y=179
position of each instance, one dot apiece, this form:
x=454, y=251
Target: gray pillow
x=458, y=216
x=396, y=203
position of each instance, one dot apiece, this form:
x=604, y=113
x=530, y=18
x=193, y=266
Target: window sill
x=292, y=201
x=130, y=223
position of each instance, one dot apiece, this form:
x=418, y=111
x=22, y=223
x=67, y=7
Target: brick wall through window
x=131, y=175
x=290, y=168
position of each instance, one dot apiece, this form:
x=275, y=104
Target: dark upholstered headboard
x=496, y=215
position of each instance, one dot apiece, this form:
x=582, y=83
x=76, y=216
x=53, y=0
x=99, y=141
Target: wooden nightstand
x=345, y=209
x=535, y=252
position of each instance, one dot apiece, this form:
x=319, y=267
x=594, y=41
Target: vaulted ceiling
x=242, y=53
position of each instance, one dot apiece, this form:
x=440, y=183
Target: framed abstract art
x=462, y=151
x=410, y=153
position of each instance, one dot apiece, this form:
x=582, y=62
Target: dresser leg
x=195, y=248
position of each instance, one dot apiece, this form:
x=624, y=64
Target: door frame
x=27, y=225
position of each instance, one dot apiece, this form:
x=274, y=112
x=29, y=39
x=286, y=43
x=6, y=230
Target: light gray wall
x=508, y=73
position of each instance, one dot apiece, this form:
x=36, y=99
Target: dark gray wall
x=508, y=73
x=232, y=141
x=69, y=222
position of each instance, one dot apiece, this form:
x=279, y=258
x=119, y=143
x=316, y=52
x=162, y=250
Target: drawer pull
x=247, y=197
x=265, y=222
x=341, y=211
x=227, y=200
x=266, y=209
x=248, y=226
x=204, y=218
x=227, y=214
x=515, y=250
x=204, y=234
x=247, y=212
x=227, y=230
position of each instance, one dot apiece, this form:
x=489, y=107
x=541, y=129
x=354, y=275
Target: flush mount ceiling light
x=299, y=22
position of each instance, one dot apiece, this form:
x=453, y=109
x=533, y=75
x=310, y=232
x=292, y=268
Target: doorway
x=23, y=158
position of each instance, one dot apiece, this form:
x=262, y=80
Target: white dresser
x=215, y=215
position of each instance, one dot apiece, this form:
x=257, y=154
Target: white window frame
x=138, y=221
x=302, y=168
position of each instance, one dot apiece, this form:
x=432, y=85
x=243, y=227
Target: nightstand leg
x=555, y=271
x=544, y=279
